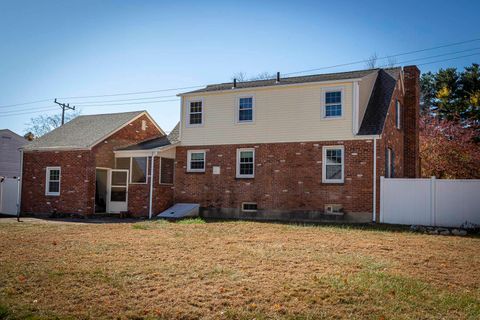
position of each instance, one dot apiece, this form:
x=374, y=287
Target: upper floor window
x=52, y=185
x=196, y=161
x=195, y=113
x=245, y=163
x=398, y=113
x=333, y=103
x=333, y=164
x=245, y=109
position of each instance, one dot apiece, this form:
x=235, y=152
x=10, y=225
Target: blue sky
x=54, y=49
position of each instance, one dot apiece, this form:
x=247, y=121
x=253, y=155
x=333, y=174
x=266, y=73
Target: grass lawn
x=233, y=270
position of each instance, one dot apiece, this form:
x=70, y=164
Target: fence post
x=382, y=197
x=433, y=209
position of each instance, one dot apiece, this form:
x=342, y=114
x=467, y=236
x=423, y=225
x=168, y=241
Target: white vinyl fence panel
x=429, y=202
x=9, y=196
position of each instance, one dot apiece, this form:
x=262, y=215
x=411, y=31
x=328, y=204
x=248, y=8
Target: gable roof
x=84, y=132
x=377, y=108
x=172, y=138
x=10, y=133
x=286, y=81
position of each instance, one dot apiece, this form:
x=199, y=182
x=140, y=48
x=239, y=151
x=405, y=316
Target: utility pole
x=64, y=106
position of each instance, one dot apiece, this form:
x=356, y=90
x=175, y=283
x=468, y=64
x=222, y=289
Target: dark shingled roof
x=83, y=131
x=158, y=142
x=285, y=81
x=377, y=108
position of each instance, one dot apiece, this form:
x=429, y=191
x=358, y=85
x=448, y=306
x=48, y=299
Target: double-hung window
x=333, y=164
x=195, y=113
x=245, y=110
x=245, y=163
x=52, y=185
x=196, y=161
x=398, y=114
x=333, y=103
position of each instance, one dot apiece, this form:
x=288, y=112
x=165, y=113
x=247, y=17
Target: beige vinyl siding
x=365, y=91
x=282, y=114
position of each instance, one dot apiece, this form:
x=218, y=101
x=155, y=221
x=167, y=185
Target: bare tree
x=391, y=62
x=43, y=124
x=240, y=76
x=371, y=62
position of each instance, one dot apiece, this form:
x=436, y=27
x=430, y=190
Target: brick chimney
x=411, y=119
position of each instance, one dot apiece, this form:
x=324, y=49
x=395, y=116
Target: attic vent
x=334, y=209
x=144, y=125
x=249, y=207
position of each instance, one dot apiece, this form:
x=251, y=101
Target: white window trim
x=47, y=181
x=398, y=114
x=187, y=109
x=323, y=104
x=160, y=172
x=245, y=176
x=237, y=110
x=324, y=164
x=189, y=158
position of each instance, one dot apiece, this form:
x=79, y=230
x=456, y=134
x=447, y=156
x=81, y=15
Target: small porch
x=141, y=182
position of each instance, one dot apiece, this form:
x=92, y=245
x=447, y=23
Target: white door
x=9, y=196
x=118, y=191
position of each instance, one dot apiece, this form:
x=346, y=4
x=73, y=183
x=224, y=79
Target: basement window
x=52, y=185
x=249, y=207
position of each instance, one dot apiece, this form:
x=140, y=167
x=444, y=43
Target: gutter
x=374, y=179
x=150, y=209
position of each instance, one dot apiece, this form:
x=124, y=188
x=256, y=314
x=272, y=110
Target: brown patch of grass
x=233, y=270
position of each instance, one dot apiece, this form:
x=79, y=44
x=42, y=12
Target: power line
x=285, y=74
x=126, y=103
x=436, y=56
x=131, y=93
x=384, y=57
x=28, y=112
x=121, y=100
x=438, y=61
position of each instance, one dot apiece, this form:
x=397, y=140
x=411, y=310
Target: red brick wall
x=138, y=194
x=128, y=135
x=288, y=176
x=78, y=175
x=77, y=190
x=412, y=115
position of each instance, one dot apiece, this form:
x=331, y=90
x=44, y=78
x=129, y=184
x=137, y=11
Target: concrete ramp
x=180, y=211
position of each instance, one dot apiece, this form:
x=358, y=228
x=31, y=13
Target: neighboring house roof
x=159, y=142
x=285, y=81
x=380, y=98
x=84, y=132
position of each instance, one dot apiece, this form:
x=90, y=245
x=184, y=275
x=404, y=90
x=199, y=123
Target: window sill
x=246, y=177
x=52, y=194
x=195, y=171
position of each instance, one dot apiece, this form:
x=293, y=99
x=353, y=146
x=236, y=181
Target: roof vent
x=234, y=83
x=278, y=77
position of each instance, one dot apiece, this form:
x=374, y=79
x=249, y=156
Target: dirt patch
x=233, y=270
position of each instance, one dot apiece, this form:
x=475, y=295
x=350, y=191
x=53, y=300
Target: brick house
x=309, y=148
x=74, y=168
x=298, y=148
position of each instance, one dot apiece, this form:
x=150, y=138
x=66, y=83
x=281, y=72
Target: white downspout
x=150, y=209
x=374, y=178
x=20, y=185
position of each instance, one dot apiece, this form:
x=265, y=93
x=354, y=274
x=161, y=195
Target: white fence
x=429, y=202
x=10, y=196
